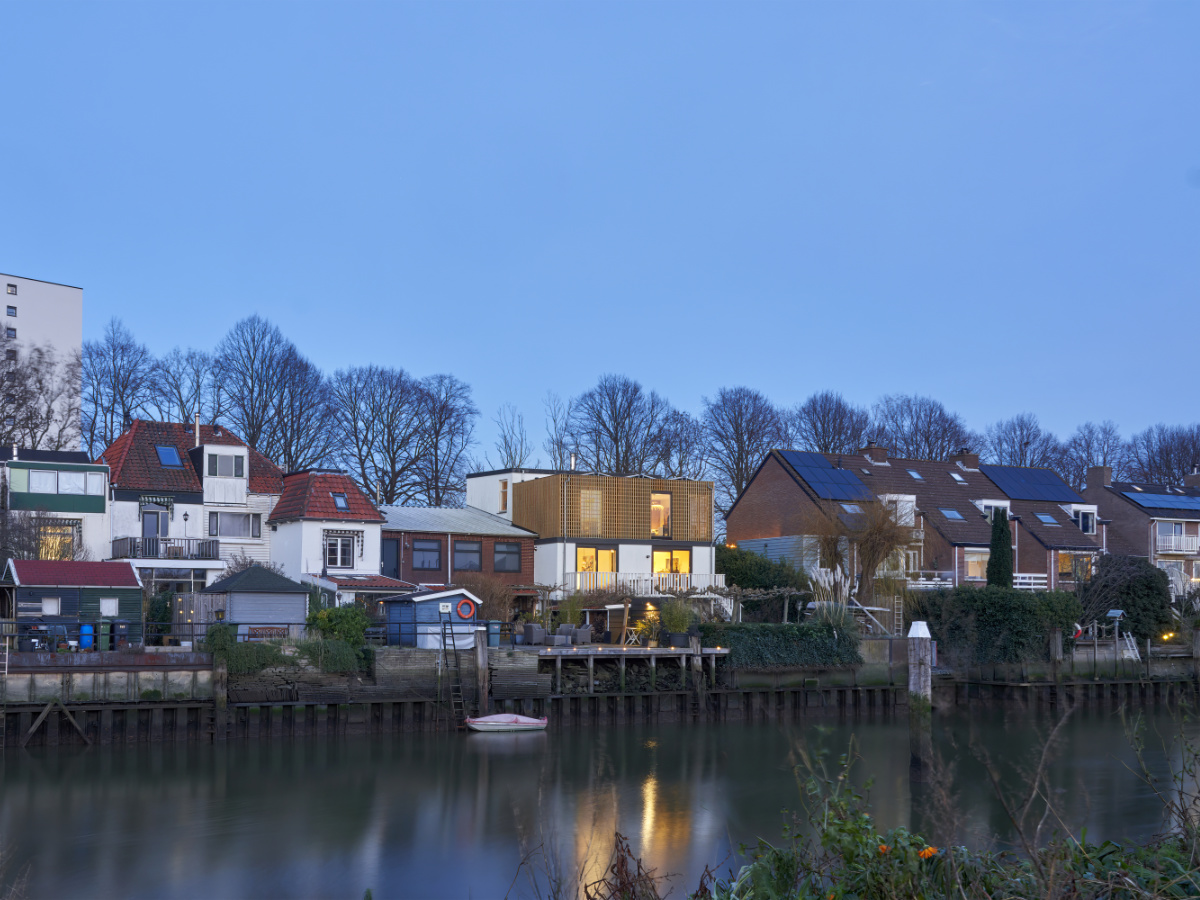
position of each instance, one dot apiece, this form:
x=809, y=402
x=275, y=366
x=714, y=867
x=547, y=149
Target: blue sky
x=994, y=204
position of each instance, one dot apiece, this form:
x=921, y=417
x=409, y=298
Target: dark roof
x=47, y=573
x=1031, y=483
x=309, y=495
x=1145, y=496
x=133, y=459
x=53, y=456
x=1063, y=536
x=256, y=579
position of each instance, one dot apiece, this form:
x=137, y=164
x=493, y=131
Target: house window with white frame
x=503, y=495
x=976, y=562
x=234, y=525
x=339, y=552
x=225, y=465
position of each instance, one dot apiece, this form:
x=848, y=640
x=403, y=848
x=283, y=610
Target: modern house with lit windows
x=325, y=531
x=1159, y=522
x=604, y=533
x=56, y=504
x=184, y=499
x=948, y=505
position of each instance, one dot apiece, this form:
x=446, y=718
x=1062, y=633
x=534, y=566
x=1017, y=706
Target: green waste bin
x=493, y=632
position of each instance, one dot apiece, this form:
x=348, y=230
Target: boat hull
x=506, y=723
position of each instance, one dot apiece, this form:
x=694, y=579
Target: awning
x=156, y=500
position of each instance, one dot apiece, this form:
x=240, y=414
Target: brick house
x=434, y=547
x=948, y=504
x=1158, y=522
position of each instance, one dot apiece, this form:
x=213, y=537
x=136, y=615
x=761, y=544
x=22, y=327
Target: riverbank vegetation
x=768, y=646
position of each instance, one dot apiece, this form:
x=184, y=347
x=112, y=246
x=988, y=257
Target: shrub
x=241, y=657
x=495, y=597
x=750, y=570
x=342, y=623
x=331, y=656
x=676, y=617
x=998, y=625
x=768, y=646
x=570, y=610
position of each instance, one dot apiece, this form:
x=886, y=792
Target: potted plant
x=646, y=629
x=676, y=618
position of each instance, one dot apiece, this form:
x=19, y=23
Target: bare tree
x=299, y=434
x=618, y=428
x=240, y=562
x=252, y=362
x=118, y=382
x=1021, y=441
x=41, y=394
x=35, y=534
x=741, y=426
x=1094, y=445
x=377, y=414
x=827, y=423
x=684, y=451
x=185, y=384
x=914, y=427
x=1164, y=454
x=447, y=434
x=558, y=431
x=513, y=447
x=872, y=529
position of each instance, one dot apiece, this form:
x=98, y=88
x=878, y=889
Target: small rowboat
x=506, y=722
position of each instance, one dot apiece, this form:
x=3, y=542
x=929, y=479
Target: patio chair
x=535, y=635
x=583, y=634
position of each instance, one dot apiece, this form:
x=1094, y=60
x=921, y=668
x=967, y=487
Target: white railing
x=641, y=584
x=1030, y=582
x=1178, y=543
x=930, y=581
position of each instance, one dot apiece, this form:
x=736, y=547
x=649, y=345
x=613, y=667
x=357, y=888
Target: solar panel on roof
x=1164, y=501
x=1021, y=483
x=828, y=483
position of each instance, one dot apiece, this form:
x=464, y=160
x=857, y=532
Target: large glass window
x=468, y=556
x=589, y=512
x=235, y=525
x=223, y=465
x=507, y=557
x=155, y=523
x=95, y=483
x=977, y=561
x=56, y=540
x=72, y=482
x=672, y=562
x=660, y=515
x=593, y=559
x=427, y=555
x=339, y=552
x=43, y=482
x=1166, y=529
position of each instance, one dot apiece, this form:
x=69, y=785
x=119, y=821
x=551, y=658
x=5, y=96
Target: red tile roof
x=309, y=495
x=369, y=583
x=133, y=458
x=45, y=573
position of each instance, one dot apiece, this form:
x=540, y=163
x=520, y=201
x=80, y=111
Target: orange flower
x=928, y=852
x=884, y=848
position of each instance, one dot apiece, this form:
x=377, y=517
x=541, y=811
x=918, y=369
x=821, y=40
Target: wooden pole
x=220, y=701
x=482, y=675
x=920, y=696
x=624, y=621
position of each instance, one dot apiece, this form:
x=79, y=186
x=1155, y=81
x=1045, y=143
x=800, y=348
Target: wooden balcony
x=166, y=548
x=1178, y=543
x=641, y=584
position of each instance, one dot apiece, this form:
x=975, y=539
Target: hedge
x=771, y=646
x=999, y=625
x=241, y=657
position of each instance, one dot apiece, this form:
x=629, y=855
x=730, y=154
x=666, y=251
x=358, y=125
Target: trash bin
x=85, y=637
x=493, y=632
x=120, y=630
x=105, y=636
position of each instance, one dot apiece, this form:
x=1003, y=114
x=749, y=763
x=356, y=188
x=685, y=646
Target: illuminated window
x=977, y=561
x=672, y=562
x=593, y=559
x=56, y=540
x=12, y=289
x=503, y=495
x=589, y=512
x=660, y=515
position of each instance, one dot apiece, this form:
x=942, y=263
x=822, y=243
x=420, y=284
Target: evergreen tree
x=1000, y=562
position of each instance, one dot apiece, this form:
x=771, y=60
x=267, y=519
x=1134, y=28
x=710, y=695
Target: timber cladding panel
x=575, y=505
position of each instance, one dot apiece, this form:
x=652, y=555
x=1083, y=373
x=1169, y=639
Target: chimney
x=14, y=451
x=197, y=428
x=1099, y=476
x=874, y=452
x=1192, y=480
x=572, y=462
x=965, y=458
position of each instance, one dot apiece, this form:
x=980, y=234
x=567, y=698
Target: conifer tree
x=1000, y=562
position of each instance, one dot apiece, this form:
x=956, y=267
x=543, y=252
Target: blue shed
x=415, y=620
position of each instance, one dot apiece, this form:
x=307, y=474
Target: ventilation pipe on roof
x=572, y=462
x=197, y=428
x=14, y=451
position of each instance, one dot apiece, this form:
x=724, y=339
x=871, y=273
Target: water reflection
x=452, y=815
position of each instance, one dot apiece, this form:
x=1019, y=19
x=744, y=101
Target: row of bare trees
x=41, y=398
x=405, y=439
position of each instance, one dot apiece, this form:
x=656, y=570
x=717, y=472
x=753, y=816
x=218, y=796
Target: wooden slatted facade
x=575, y=505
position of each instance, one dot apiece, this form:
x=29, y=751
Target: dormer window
x=958, y=478
x=225, y=465
x=340, y=501
x=1086, y=521
x=168, y=457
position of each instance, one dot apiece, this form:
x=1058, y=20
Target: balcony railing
x=641, y=584
x=930, y=581
x=166, y=548
x=1030, y=582
x=1178, y=543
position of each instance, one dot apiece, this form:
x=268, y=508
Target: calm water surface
x=452, y=815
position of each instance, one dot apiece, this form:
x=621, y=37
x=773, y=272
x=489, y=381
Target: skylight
x=958, y=478
x=1047, y=519
x=339, y=500
x=952, y=514
x=169, y=457
x=915, y=474
x=852, y=508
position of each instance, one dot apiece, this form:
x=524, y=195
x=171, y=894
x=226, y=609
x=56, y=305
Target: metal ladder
x=453, y=670
x=1131, y=649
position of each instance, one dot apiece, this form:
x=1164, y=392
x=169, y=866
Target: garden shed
x=263, y=603
x=415, y=620
x=72, y=594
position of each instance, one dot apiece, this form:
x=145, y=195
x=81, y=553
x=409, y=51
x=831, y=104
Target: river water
x=453, y=815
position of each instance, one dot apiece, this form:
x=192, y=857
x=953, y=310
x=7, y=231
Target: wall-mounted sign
x=443, y=607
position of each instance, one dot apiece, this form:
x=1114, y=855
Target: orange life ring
x=470, y=608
